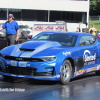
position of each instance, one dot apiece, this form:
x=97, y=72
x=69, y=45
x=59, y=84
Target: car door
x=87, y=59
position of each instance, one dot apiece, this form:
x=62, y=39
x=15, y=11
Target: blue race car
x=55, y=56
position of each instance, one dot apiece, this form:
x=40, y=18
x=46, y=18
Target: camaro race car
x=56, y=56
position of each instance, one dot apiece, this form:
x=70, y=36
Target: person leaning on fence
x=12, y=30
x=93, y=30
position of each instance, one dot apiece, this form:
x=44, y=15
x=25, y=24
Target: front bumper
x=35, y=70
x=51, y=78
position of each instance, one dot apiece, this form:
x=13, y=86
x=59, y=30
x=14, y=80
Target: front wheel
x=66, y=72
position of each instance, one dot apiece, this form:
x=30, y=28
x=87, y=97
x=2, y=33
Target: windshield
x=23, y=26
x=63, y=39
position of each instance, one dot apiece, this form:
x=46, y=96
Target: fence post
x=90, y=22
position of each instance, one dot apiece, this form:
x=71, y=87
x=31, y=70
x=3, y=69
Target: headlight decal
x=48, y=58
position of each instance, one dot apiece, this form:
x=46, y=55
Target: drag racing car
x=54, y=56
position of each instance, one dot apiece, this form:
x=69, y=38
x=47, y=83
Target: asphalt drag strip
x=85, y=87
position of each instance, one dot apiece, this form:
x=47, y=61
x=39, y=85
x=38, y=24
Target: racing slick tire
x=97, y=73
x=66, y=72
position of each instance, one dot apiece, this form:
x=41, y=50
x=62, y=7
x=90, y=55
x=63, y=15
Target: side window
x=87, y=40
x=44, y=37
x=93, y=39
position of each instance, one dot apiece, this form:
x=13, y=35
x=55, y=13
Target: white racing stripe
x=40, y=48
x=16, y=52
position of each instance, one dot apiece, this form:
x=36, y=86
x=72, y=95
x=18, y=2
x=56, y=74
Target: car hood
x=34, y=48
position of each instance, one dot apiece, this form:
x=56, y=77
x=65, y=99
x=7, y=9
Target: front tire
x=66, y=72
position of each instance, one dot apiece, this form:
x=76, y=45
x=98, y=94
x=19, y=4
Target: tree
x=98, y=8
x=94, y=7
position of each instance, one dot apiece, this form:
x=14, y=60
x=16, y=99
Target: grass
x=96, y=24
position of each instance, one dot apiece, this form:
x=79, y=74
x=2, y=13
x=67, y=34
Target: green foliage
x=98, y=8
x=94, y=7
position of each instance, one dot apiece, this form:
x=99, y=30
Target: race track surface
x=82, y=88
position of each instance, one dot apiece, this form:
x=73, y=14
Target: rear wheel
x=97, y=72
x=66, y=72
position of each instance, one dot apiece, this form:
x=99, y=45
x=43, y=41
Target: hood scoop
x=24, y=49
x=28, y=49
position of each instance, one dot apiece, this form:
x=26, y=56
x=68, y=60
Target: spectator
x=12, y=30
x=93, y=30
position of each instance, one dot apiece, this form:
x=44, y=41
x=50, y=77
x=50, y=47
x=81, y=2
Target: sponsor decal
x=58, y=76
x=90, y=69
x=60, y=28
x=38, y=27
x=66, y=53
x=13, y=63
x=98, y=67
x=49, y=28
x=79, y=72
x=22, y=64
x=88, y=58
x=76, y=73
x=88, y=63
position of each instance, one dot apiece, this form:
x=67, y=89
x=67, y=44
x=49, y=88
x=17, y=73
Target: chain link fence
x=96, y=21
